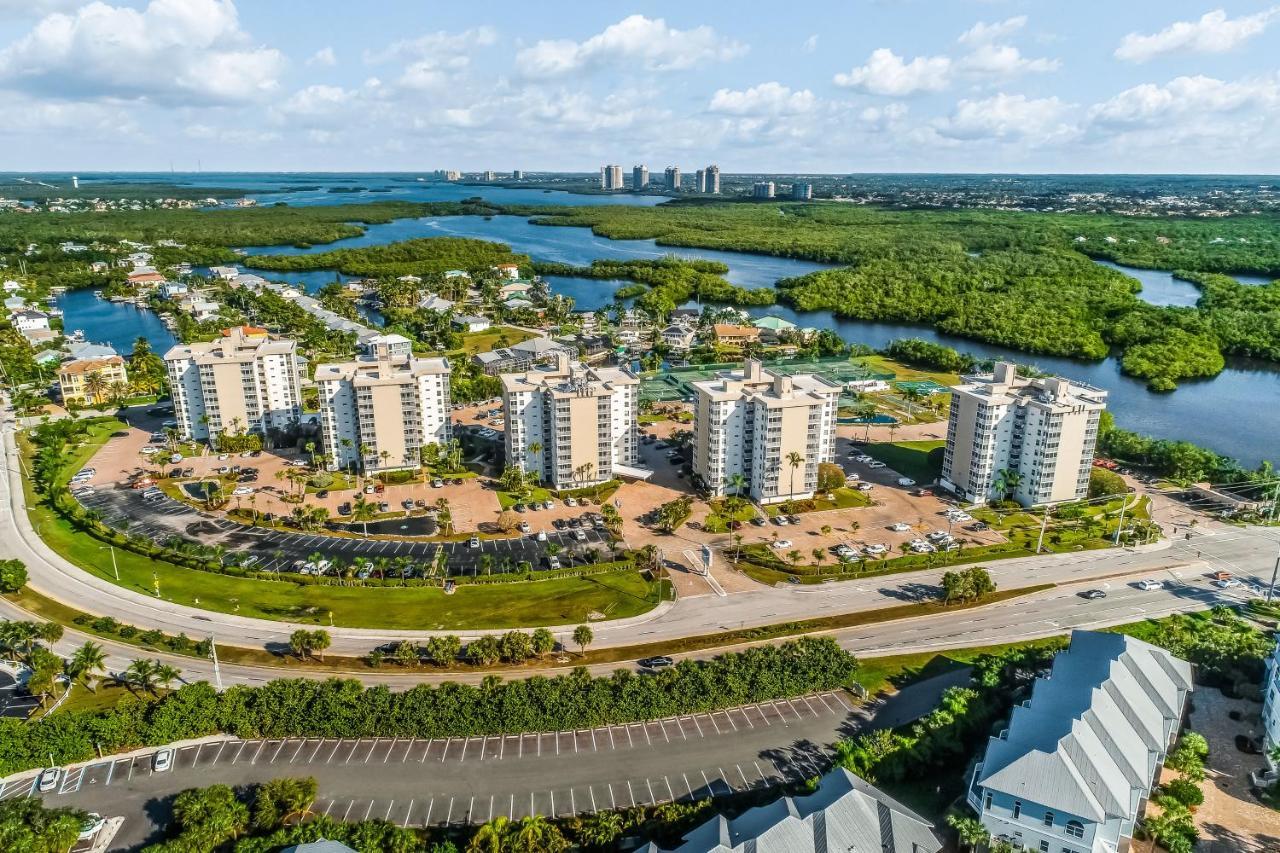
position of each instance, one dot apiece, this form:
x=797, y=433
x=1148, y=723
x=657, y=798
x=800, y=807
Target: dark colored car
x=322, y=494
x=658, y=662
x=344, y=509
x=1093, y=594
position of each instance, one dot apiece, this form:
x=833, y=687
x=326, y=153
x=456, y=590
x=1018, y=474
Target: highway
x=1247, y=552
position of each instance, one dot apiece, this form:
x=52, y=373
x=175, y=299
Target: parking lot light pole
x=114, y=568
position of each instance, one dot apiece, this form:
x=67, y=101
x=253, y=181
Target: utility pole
x=1044, y=523
x=1124, y=502
x=1274, y=572
x=213, y=653
x=115, y=568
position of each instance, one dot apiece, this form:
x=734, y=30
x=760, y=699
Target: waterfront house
x=226, y=273
x=730, y=334
x=392, y=345
x=845, y=813
x=74, y=383
x=514, y=288
x=28, y=320
x=1072, y=771
x=173, y=289
x=678, y=336
x=432, y=302
x=507, y=270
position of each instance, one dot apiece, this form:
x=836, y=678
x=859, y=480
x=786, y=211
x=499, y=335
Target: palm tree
x=1006, y=482
x=347, y=444
x=384, y=456
x=166, y=674
x=795, y=460
x=362, y=510
x=95, y=385
x=491, y=837
x=535, y=449
x=87, y=663
x=737, y=481
x=582, y=637
x=536, y=834
x=141, y=674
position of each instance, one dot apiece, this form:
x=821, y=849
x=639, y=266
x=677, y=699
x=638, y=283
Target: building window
x=1048, y=818
x=1075, y=829
x=1017, y=809
x=1044, y=847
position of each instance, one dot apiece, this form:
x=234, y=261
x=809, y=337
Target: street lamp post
x=114, y=568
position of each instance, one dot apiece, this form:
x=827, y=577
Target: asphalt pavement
x=454, y=781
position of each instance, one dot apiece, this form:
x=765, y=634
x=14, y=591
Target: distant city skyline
x=828, y=87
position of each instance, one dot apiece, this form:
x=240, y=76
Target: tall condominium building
x=378, y=412
x=490, y=175
x=711, y=179
x=801, y=192
x=673, y=177
x=763, y=189
x=243, y=382
x=639, y=177
x=517, y=174
x=1032, y=438
x=610, y=177
x=700, y=181
x=771, y=428
x=572, y=425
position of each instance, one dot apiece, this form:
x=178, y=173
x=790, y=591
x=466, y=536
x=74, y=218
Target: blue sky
x=849, y=86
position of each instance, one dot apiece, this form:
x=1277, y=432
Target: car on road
x=241, y=491
x=899, y=527
x=782, y=543
x=473, y=542
x=863, y=458
x=48, y=779
x=658, y=662
x=1227, y=583
x=906, y=481
x=1149, y=584
x=90, y=825
x=875, y=464
x=162, y=760
x=1093, y=594
x=864, y=487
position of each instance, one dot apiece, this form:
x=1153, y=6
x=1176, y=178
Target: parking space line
x=823, y=697
x=261, y=747
x=426, y=751
x=729, y=717
x=648, y=739
x=462, y=758
x=573, y=805
x=484, y=745
x=111, y=771
x=301, y=744
x=332, y=752
x=712, y=718
x=511, y=808
x=405, y=757
x=557, y=743
x=840, y=699
x=631, y=794
x=593, y=799
x=354, y=746
x=426, y=821
x=243, y=744
x=699, y=725
x=593, y=740
x=328, y=807
x=368, y=809
x=387, y=816
x=652, y=799
x=612, y=745
x=315, y=751
x=761, y=772
x=629, y=738
x=404, y=824
x=390, y=747
x=446, y=749
x=553, y=801
x=348, y=811
x=372, y=747
x=275, y=754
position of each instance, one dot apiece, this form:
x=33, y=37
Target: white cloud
x=323, y=57
x=437, y=45
x=810, y=44
x=233, y=135
x=649, y=42
x=767, y=99
x=984, y=33
x=883, y=118
x=1004, y=60
x=1007, y=117
x=317, y=100
x=173, y=51
x=1213, y=33
x=887, y=74
x=1186, y=97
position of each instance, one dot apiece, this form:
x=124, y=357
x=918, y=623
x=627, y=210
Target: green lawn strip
x=718, y=518
x=765, y=565
x=536, y=494
x=841, y=498
x=489, y=339
x=908, y=458
x=903, y=373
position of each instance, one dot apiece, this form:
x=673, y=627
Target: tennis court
x=675, y=383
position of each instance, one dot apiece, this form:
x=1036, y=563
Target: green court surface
x=674, y=383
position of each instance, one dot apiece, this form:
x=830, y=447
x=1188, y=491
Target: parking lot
x=14, y=701
x=277, y=550
x=452, y=781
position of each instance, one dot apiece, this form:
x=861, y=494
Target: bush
x=1103, y=482
x=830, y=477
x=1184, y=791
x=13, y=575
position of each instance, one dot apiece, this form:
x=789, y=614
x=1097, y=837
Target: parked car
x=384, y=507
x=162, y=760
x=580, y=535
x=524, y=527
x=570, y=502
x=542, y=536
x=407, y=503
x=1227, y=584
x=241, y=491
x=437, y=483
x=553, y=562
x=48, y=779
x=344, y=508
x=782, y=543
x=906, y=481
x=899, y=527
x=548, y=504
x=473, y=542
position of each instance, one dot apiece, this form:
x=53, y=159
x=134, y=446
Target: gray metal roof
x=1088, y=740
x=845, y=813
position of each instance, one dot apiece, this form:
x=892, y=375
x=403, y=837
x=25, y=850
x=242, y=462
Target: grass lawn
x=104, y=697
x=908, y=458
x=718, y=519
x=903, y=373
x=841, y=498
x=506, y=500
x=490, y=339
x=549, y=602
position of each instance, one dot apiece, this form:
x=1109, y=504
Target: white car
x=1149, y=584
x=939, y=536
x=542, y=536
x=241, y=491
x=863, y=458
x=874, y=549
x=922, y=548
x=524, y=527
x=906, y=481
x=570, y=502
x=148, y=450
x=900, y=527
x=845, y=551
x=782, y=543
x=874, y=464
x=162, y=760
x=865, y=487
x=224, y=456
x=580, y=535
x=175, y=458
x=1227, y=584
x=48, y=779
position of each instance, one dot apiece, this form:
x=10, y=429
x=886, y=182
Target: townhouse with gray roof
x=1073, y=770
x=846, y=813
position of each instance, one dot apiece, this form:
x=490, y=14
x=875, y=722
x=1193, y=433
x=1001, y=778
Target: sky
x=835, y=86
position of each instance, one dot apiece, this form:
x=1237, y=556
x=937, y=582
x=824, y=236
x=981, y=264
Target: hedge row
x=345, y=708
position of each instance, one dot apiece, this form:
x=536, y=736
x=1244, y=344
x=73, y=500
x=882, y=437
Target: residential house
x=471, y=322
x=507, y=270
x=14, y=304
x=74, y=378
x=12, y=286
x=172, y=289
x=82, y=350
x=518, y=357
x=145, y=275
x=729, y=334
x=514, y=289
x=225, y=273
x=28, y=320
x=845, y=813
x=98, y=266
x=678, y=336
x=395, y=346
x=1072, y=771
x=432, y=302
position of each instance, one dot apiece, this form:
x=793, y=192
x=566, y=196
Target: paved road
x=1248, y=552
x=439, y=782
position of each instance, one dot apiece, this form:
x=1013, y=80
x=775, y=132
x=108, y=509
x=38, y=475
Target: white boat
x=98, y=293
